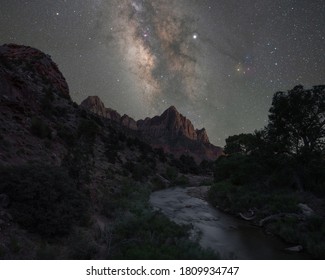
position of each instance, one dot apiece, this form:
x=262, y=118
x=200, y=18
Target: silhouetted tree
x=297, y=121
x=296, y=130
x=242, y=144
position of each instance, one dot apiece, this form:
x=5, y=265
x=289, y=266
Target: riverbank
x=230, y=237
x=284, y=214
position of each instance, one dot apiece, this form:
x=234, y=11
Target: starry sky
x=218, y=61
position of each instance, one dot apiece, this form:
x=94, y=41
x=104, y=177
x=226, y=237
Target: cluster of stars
x=218, y=62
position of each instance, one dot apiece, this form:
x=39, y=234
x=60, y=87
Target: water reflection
x=230, y=237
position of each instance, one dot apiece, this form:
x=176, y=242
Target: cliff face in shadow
x=171, y=131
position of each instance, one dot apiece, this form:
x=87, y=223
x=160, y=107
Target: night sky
x=218, y=61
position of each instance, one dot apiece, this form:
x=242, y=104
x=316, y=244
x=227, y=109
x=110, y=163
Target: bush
x=88, y=129
x=82, y=246
x=44, y=199
x=309, y=233
x=47, y=252
x=47, y=103
x=139, y=233
x=186, y=164
x=171, y=173
x=158, y=183
x=182, y=181
x=67, y=135
x=154, y=236
x=111, y=149
x=161, y=154
x=238, y=198
x=40, y=128
x=141, y=171
x=240, y=169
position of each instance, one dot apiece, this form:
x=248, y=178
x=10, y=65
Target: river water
x=228, y=236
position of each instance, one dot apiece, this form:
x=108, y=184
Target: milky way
x=158, y=43
x=218, y=61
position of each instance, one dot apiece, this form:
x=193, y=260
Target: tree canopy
x=297, y=121
x=243, y=143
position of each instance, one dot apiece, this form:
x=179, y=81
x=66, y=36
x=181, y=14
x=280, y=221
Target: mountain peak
x=202, y=135
x=96, y=105
x=171, y=130
x=172, y=108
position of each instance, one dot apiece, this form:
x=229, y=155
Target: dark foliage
x=186, y=164
x=88, y=129
x=40, y=129
x=297, y=121
x=242, y=143
x=43, y=199
x=67, y=135
x=153, y=236
x=47, y=103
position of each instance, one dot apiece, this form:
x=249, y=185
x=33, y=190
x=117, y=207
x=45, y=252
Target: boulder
x=305, y=209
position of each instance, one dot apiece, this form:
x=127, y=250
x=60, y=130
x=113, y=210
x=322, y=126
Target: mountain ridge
x=171, y=131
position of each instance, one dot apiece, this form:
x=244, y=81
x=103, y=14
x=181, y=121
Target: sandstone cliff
x=171, y=131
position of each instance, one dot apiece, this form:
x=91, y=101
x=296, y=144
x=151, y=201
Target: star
x=190, y=54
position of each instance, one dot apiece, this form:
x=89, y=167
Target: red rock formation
x=129, y=122
x=32, y=70
x=171, y=124
x=202, y=135
x=95, y=105
x=171, y=131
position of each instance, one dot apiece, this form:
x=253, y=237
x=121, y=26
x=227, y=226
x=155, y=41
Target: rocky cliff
x=171, y=131
x=29, y=69
x=33, y=96
x=95, y=105
x=171, y=124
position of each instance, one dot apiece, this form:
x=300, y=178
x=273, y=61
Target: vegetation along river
x=230, y=237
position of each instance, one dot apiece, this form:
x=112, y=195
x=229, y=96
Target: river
x=230, y=237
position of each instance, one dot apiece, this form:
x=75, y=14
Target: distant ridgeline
x=171, y=131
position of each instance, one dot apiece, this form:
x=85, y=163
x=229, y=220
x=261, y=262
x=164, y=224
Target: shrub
x=171, y=173
x=40, y=128
x=88, y=129
x=67, y=135
x=141, y=171
x=154, y=236
x=158, y=183
x=47, y=102
x=161, y=154
x=111, y=151
x=240, y=169
x=82, y=246
x=47, y=251
x=182, y=181
x=44, y=199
